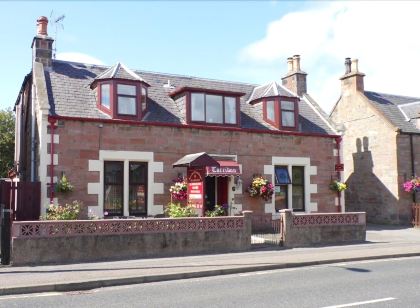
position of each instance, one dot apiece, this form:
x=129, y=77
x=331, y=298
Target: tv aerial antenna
x=58, y=23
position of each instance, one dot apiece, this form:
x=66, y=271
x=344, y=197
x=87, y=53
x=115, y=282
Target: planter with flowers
x=412, y=185
x=338, y=186
x=261, y=187
x=178, y=189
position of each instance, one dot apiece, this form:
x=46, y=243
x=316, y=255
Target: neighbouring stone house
x=381, y=148
x=116, y=133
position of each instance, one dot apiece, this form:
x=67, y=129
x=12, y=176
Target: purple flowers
x=412, y=185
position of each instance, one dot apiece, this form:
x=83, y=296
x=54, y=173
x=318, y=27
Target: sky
x=246, y=41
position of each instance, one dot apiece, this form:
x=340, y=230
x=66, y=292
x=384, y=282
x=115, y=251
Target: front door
x=222, y=190
x=210, y=193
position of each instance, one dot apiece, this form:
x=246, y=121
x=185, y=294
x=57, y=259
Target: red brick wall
x=81, y=141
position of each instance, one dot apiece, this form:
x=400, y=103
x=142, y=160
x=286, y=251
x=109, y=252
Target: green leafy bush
x=175, y=210
x=218, y=211
x=65, y=212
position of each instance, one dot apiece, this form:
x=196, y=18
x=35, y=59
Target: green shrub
x=175, y=210
x=218, y=211
x=65, y=212
x=63, y=185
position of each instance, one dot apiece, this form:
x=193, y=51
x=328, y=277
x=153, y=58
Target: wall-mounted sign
x=225, y=170
x=195, y=187
x=339, y=167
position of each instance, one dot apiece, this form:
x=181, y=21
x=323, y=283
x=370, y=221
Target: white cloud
x=78, y=57
x=382, y=35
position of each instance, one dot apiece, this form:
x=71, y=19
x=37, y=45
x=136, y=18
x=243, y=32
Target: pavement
x=381, y=242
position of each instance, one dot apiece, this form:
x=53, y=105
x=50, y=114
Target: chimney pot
x=289, y=64
x=296, y=63
x=355, y=65
x=42, y=23
x=347, y=64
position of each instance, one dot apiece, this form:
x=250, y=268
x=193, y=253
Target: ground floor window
x=121, y=181
x=286, y=186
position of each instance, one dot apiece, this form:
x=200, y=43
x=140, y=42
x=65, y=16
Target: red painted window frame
x=278, y=112
x=113, y=110
x=209, y=92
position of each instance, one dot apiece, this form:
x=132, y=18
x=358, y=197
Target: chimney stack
x=352, y=80
x=295, y=79
x=42, y=43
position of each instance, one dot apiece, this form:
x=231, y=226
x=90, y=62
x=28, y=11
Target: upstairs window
x=106, y=95
x=213, y=109
x=127, y=99
x=280, y=113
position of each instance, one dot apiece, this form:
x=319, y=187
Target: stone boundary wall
x=303, y=230
x=59, y=242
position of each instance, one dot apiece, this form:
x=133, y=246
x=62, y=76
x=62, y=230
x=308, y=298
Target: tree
x=7, y=141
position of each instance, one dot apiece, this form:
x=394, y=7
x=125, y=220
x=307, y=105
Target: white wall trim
x=126, y=157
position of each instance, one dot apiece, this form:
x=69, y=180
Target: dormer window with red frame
x=211, y=107
x=281, y=113
x=122, y=94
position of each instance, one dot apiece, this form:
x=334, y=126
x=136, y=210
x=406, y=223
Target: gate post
x=5, y=235
x=287, y=233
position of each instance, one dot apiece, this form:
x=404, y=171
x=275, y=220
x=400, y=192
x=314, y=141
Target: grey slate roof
x=390, y=106
x=119, y=71
x=269, y=90
x=69, y=92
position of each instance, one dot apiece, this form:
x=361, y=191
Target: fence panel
x=28, y=203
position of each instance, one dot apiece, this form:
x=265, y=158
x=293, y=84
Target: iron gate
x=267, y=230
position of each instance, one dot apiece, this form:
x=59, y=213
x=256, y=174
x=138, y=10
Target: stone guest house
x=116, y=133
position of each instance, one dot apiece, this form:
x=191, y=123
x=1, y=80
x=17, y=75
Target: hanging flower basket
x=261, y=187
x=412, y=185
x=179, y=189
x=338, y=186
x=63, y=185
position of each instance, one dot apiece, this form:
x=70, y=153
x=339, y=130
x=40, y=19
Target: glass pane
x=137, y=200
x=230, y=110
x=297, y=198
x=270, y=111
x=126, y=105
x=138, y=173
x=143, y=98
x=105, y=95
x=282, y=175
x=285, y=105
x=197, y=107
x=214, y=109
x=113, y=200
x=126, y=89
x=297, y=175
x=280, y=197
x=114, y=173
x=288, y=118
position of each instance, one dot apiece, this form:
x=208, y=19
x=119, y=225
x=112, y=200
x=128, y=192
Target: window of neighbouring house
x=282, y=179
x=137, y=205
x=127, y=99
x=106, y=95
x=113, y=188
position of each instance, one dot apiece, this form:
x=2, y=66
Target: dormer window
x=280, y=112
x=126, y=99
x=212, y=107
x=105, y=97
x=122, y=94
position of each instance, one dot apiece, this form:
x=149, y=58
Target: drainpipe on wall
x=33, y=133
x=52, y=124
x=413, y=170
x=338, y=144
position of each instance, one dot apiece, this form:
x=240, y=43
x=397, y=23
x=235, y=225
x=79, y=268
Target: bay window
x=105, y=99
x=280, y=113
x=126, y=99
x=287, y=114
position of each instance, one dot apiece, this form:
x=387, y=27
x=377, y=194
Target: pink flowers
x=261, y=187
x=412, y=185
x=179, y=189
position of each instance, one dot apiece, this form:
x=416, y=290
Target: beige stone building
x=381, y=148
